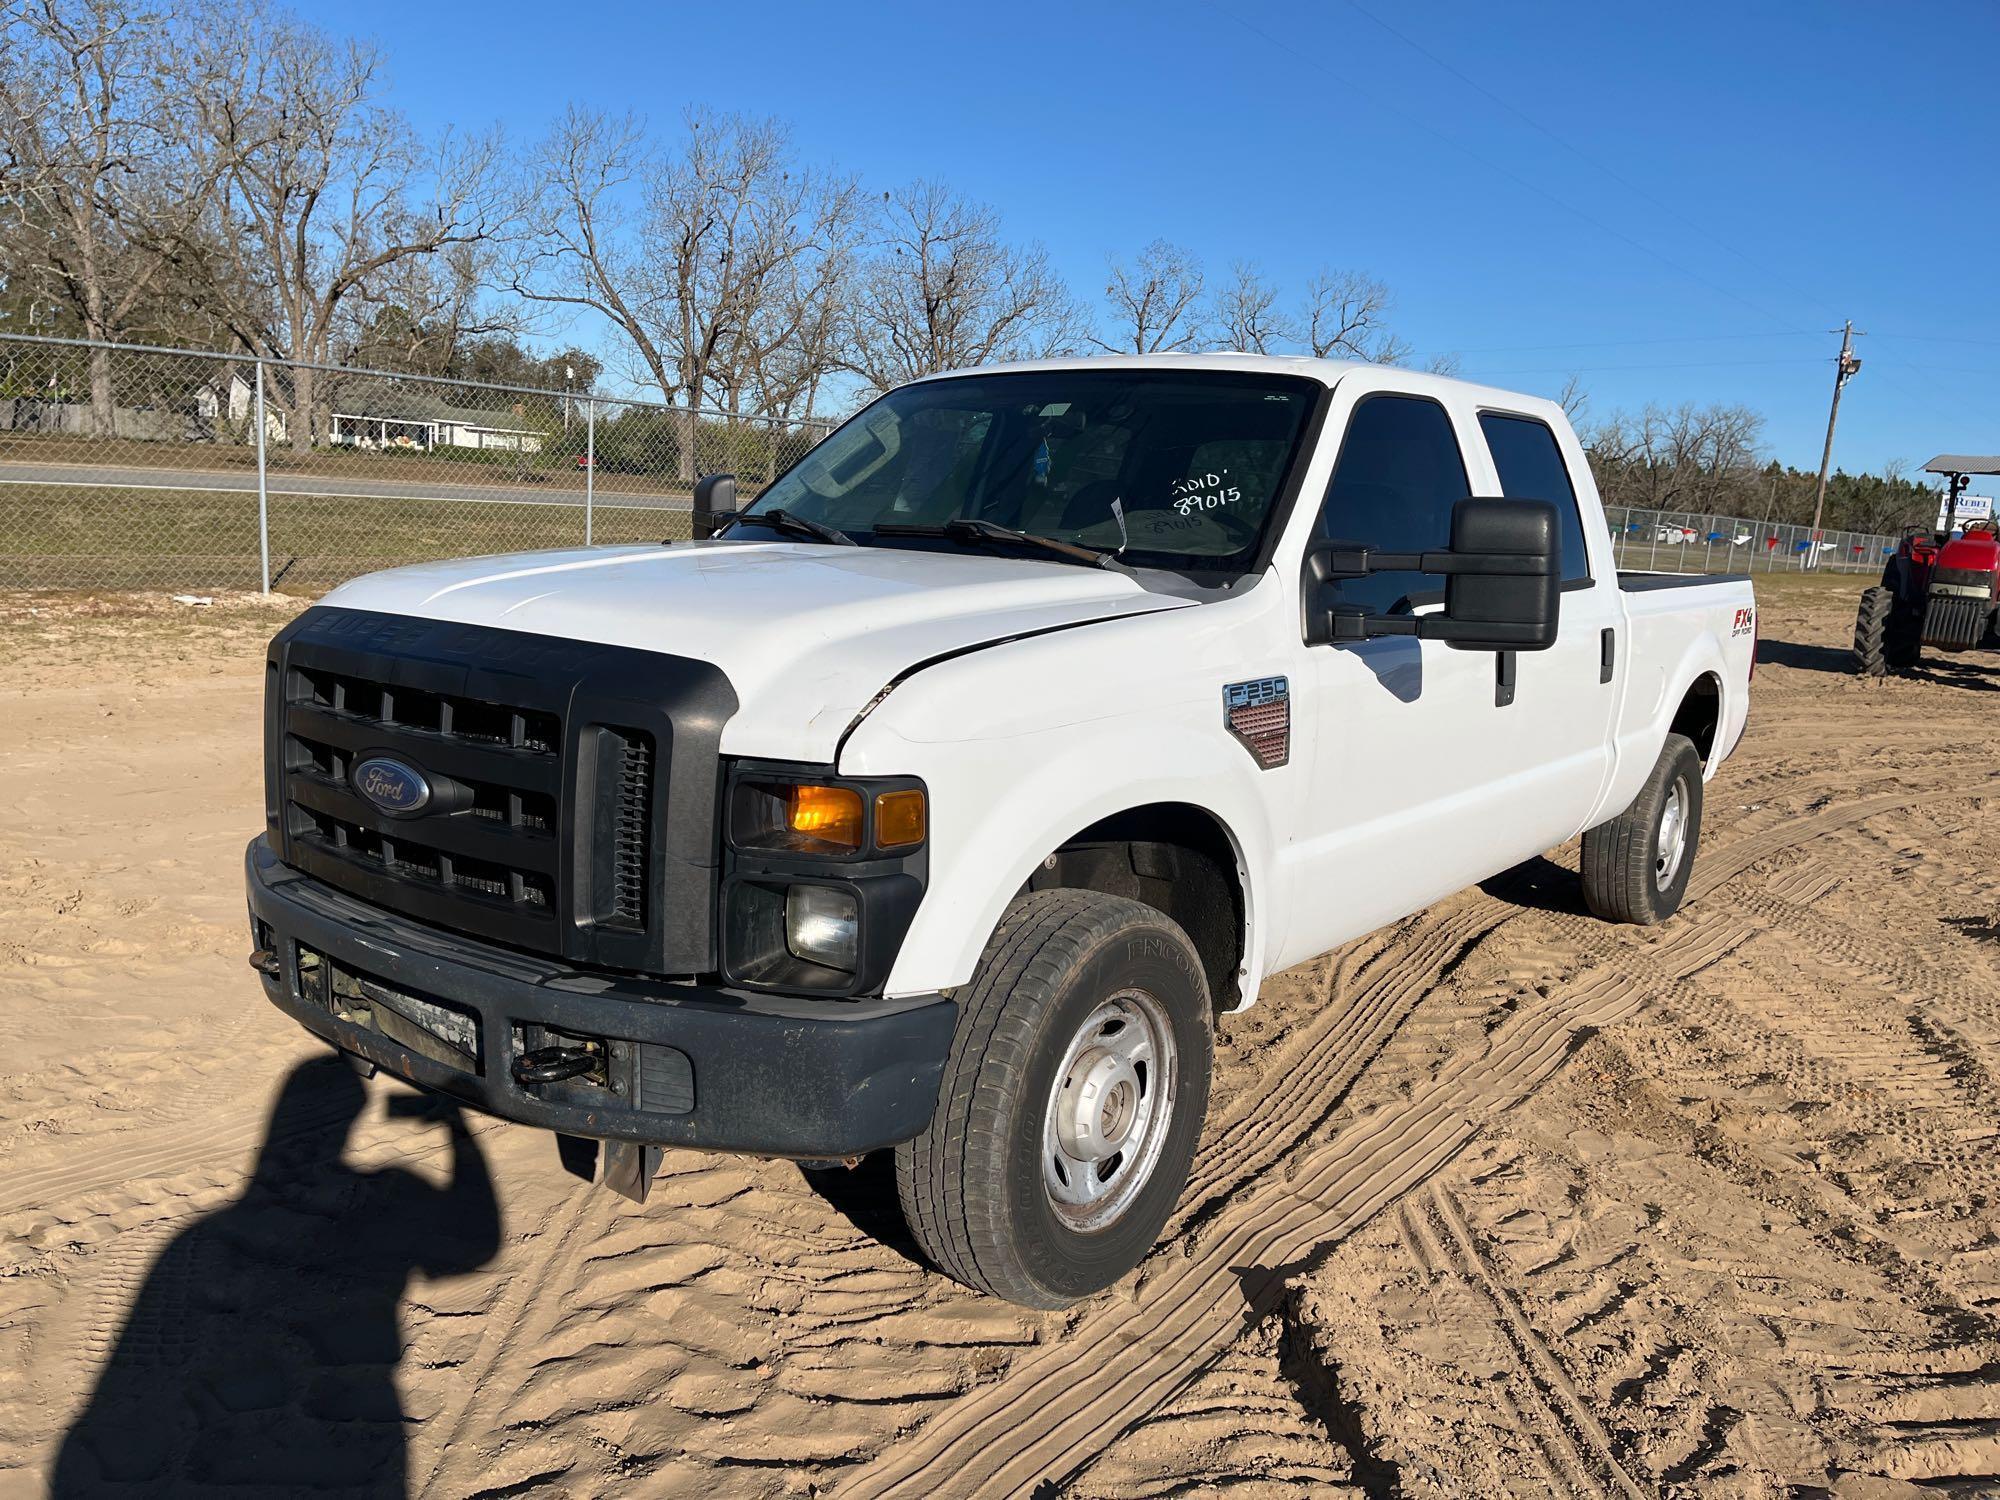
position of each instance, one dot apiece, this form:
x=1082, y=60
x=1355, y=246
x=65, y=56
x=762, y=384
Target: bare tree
x=1156, y=303
x=325, y=190
x=1573, y=399
x=88, y=155
x=729, y=268
x=739, y=236
x=791, y=341
x=942, y=290
x=1346, y=316
x=1246, y=315
x=578, y=249
x=1687, y=458
x=420, y=314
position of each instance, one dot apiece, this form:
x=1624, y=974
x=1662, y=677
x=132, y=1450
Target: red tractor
x=1939, y=590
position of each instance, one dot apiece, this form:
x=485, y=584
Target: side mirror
x=1503, y=582
x=714, y=499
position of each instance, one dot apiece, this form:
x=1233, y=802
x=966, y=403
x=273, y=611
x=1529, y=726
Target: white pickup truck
x=943, y=796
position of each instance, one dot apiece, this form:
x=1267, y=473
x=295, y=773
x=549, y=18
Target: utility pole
x=1843, y=371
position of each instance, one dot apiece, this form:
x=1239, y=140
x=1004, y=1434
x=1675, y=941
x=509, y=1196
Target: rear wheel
x=1636, y=867
x=1870, y=622
x=1070, y=1105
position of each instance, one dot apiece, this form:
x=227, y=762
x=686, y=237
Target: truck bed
x=1645, y=583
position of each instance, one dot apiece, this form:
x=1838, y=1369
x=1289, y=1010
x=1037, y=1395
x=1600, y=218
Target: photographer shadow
x=260, y=1354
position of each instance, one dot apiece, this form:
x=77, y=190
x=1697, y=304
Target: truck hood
x=808, y=634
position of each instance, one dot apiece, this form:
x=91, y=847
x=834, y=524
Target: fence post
x=589, y=469
x=263, y=491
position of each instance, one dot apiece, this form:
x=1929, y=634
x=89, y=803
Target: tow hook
x=265, y=962
x=553, y=1064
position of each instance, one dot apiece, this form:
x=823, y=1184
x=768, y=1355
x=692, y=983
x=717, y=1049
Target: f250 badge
x=1259, y=713
x=396, y=788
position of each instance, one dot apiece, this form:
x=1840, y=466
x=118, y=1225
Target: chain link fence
x=123, y=466
x=1664, y=541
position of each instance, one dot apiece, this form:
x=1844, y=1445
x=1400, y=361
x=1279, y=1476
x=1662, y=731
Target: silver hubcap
x=1108, y=1114
x=1672, y=842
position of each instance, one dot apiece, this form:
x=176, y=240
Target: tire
x=1903, y=637
x=1631, y=871
x=1870, y=621
x=1065, y=968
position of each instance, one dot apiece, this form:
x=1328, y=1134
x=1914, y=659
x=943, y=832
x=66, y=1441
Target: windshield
x=1166, y=468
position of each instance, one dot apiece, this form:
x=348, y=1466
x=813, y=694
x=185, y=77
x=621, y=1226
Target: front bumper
x=682, y=1064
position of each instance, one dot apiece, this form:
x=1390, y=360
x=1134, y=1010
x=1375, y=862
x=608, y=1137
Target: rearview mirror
x=714, y=498
x=1503, y=582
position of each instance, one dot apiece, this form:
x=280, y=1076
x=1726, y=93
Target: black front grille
x=573, y=786
x=484, y=856
x=631, y=823
x=1955, y=622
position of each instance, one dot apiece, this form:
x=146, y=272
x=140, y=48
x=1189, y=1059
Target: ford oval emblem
x=395, y=787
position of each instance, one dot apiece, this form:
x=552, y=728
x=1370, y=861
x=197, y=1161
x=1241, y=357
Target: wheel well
x=1177, y=859
x=1700, y=713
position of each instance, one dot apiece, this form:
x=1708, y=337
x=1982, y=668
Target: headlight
x=823, y=925
x=821, y=876
x=812, y=818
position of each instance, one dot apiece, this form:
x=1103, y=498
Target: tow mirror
x=1502, y=573
x=714, y=500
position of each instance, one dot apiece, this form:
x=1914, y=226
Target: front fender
x=1001, y=805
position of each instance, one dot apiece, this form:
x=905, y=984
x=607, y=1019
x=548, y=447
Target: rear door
x=1568, y=694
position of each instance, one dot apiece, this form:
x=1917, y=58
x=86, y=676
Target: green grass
x=63, y=537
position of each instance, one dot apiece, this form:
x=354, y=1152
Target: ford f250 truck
x=940, y=799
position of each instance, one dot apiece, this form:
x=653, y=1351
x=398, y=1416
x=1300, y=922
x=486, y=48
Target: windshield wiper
x=972, y=531
x=784, y=520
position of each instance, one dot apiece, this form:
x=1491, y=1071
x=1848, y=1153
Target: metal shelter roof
x=1964, y=463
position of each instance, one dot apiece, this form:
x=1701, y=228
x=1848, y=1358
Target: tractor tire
x=1903, y=637
x=1636, y=867
x=1870, y=624
x=1071, y=1103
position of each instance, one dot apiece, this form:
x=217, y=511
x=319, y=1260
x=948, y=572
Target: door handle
x=1607, y=653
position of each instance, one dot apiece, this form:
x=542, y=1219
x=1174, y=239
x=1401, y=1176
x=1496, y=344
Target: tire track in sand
x=1045, y=1418
x=1562, y=1424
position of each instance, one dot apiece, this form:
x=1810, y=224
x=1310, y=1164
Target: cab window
x=1531, y=467
x=1398, y=476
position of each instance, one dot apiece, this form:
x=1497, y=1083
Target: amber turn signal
x=899, y=819
x=830, y=814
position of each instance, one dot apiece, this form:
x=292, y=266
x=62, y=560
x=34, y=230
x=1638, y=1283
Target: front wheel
x=1636, y=867
x=1071, y=1103
x=1871, y=623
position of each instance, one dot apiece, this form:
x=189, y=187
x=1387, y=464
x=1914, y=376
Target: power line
x=1696, y=364
x=1937, y=338
x=1682, y=338
x=1427, y=128
x=1584, y=156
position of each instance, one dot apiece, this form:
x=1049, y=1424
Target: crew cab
x=941, y=798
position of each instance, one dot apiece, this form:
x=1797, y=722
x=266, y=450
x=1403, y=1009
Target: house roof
x=385, y=399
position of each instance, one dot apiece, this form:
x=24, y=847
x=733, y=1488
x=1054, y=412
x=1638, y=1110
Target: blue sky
x=1674, y=202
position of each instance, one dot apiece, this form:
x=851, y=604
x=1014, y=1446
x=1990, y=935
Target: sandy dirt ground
x=1497, y=1201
